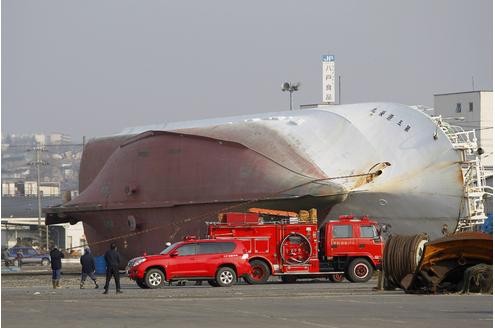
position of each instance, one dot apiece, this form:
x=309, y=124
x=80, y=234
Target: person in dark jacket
x=56, y=257
x=18, y=258
x=112, y=258
x=88, y=267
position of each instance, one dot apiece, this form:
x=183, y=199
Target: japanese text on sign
x=328, y=70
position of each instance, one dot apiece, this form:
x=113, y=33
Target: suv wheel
x=359, y=270
x=45, y=262
x=259, y=273
x=154, y=278
x=225, y=277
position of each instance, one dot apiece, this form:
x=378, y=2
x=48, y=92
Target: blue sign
x=327, y=58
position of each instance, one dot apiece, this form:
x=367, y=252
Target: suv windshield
x=169, y=248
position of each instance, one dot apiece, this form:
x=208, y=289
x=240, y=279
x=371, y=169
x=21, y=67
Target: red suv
x=219, y=262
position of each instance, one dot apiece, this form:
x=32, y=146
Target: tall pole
x=38, y=162
x=340, y=88
x=38, y=190
x=290, y=97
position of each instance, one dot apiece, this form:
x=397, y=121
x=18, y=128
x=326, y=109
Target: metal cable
x=400, y=257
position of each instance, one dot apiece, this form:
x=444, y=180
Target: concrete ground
x=29, y=301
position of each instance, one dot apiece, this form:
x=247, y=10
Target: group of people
x=88, y=268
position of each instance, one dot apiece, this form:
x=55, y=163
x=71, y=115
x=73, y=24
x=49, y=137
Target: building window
x=470, y=106
x=458, y=109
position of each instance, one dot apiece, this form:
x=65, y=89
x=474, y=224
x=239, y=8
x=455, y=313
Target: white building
x=30, y=188
x=40, y=139
x=50, y=189
x=64, y=235
x=59, y=138
x=9, y=189
x=471, y=110
x=20, y=223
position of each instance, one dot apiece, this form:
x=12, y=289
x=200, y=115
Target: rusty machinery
x=461, y=262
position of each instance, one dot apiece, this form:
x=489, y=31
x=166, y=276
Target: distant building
x=30, y=188
x=471, y=110
x=8, y=189
x=59, y=138
x=40, y=139
x=69, y=173
x=20, y=223
x=12, y=188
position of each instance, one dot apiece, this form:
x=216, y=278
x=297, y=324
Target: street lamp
x=291, y=87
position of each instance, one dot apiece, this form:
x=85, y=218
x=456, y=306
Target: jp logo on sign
x=327, y=58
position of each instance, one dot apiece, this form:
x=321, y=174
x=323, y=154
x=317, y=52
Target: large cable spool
x=295, y=249
x=401, y=257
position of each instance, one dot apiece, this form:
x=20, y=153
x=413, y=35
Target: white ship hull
x=421, y=190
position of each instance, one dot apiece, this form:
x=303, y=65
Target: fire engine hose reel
x=295, y=249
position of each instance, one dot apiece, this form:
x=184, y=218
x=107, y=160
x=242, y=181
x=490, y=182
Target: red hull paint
x=168, y=169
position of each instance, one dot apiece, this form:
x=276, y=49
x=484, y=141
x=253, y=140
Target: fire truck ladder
x=473, y=214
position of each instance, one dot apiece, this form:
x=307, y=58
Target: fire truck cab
x=290, y=245
x=350, y=245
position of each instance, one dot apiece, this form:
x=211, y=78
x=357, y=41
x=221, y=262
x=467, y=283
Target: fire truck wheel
x=259, y=273
x=213, y=283
x=154, y=278
x=359, y=270
x=338, y=277
x=141, y=284
x=226, y=277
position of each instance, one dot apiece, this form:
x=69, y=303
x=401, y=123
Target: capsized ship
x=149, y=185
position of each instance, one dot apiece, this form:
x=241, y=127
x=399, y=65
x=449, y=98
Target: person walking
x=88, y=267
x=56, y=257
x=18, y=258
x=112, y=258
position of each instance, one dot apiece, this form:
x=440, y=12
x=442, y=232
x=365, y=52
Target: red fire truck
x=290, y=245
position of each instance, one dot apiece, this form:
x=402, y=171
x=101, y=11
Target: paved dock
x=28, y=301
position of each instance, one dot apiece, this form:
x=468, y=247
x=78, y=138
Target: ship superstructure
x=475, y=187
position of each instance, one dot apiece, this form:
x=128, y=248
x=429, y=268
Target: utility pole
x=38, y=162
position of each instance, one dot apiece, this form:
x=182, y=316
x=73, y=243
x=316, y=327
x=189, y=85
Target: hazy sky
x=94, y=67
